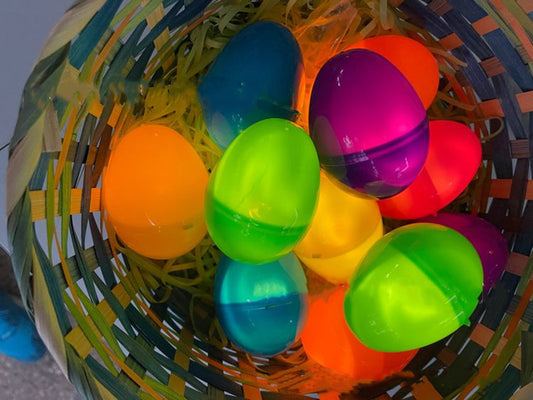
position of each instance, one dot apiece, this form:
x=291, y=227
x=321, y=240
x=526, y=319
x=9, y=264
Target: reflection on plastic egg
x=153, y=192
x=261, y=197
x=489, y=243
x=411, y=58
x=416, y=285
x=261, y=308
x=256, y=76
x=327, y=340
x=344, y=227
x=453, y=160
x=368, y=124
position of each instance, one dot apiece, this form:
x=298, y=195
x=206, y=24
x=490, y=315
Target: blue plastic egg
x=261, y=308
x=256, y=76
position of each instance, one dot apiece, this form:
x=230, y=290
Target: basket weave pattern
x=124, y=327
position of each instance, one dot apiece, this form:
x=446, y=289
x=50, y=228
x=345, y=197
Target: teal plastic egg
x=256, y=76
x=261, y=308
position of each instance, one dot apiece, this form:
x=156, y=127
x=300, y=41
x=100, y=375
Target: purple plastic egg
x=368, y=124
x=486, y=239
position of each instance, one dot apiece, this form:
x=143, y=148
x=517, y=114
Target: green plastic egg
x=416, y=285
x=262, y=195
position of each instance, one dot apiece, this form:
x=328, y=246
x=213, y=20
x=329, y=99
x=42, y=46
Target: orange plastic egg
x=153, y=192
x=328, y=340
x=413, y=60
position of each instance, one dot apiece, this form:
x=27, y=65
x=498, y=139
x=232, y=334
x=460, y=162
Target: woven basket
x=121, y=326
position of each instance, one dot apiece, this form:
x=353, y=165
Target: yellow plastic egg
x=153, y=192
x=344, y=227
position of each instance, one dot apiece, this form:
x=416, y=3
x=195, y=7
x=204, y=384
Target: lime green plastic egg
x=416, y=285
x=262, y=195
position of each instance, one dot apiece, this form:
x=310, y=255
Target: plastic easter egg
x=416, y=285
x=256, y=76
x=489, y=243
x=344, y=227
x=261, y=308
x=327, y=339
x=368, y=124
x=411, y=58
x=262, y=195
x=453, y=160
x=153, y=192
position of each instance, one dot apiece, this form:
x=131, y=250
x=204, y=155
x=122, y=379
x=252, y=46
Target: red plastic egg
x=413, y=60
x=453, y=159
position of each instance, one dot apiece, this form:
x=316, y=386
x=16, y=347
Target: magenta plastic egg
x=368, y=124
x=489, y=243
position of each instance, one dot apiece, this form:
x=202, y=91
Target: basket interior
x=123, y=326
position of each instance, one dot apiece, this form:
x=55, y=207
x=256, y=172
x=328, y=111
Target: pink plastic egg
x=453, y=160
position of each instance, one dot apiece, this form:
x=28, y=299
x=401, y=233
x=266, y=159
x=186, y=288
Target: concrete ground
x=36, y=381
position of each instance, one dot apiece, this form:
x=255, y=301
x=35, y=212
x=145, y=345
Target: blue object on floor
x=18, y=336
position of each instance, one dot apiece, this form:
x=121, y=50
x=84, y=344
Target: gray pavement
x=37, y=381
x=42, y=380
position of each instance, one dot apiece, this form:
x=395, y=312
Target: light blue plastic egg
x=261, y=308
